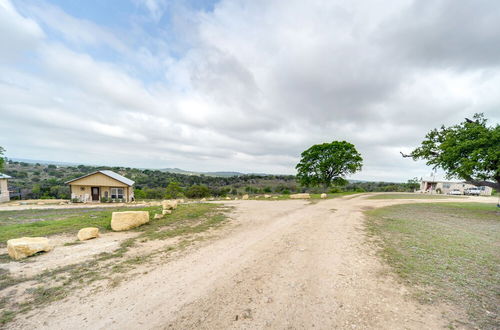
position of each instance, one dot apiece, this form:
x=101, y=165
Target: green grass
x=411, y=196
x=14, y=224
x=446, y=251
x=313, y=196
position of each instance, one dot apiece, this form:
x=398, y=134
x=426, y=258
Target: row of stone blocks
x=20, y=248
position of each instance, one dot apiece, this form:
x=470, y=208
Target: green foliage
x=413, y=184
x=326, y=164
x=154, y=193
x=173, y=190
x=36, y=180
x=468, y=151
x=2, y=160
x=197, y=191
x=139, y=194
x=335, y=190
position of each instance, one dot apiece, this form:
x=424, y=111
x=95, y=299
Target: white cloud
x=245, y=87
x=17, y=33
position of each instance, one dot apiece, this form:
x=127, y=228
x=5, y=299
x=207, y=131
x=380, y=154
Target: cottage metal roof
x=118, y=177
x=109, y=173
x=4, y=176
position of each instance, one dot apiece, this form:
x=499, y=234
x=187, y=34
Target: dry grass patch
x=447, y=252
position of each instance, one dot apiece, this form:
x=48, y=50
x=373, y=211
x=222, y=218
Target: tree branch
x=478, y=183
x=405, y=155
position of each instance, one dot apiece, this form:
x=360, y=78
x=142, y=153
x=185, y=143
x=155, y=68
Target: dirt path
x=285, y=265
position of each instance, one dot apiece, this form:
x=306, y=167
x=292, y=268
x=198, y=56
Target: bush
x=197, y=191
x=154, y=193
x=335, y=190
x=139, y=193
x=173, y=190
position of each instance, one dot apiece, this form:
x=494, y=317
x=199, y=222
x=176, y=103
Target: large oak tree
x=328, y=163
x=469, y=151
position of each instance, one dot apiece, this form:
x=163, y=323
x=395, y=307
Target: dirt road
x=281, y=265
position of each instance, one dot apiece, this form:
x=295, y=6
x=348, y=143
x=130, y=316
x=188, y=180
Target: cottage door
x=95, y=193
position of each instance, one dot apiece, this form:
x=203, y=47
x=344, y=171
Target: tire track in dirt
x=286, y=264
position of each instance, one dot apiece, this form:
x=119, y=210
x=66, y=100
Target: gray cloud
x=446, y=34
x=249, y=85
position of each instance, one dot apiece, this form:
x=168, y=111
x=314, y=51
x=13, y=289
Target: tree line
x=46, y=181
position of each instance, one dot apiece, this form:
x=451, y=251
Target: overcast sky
x=242, y=85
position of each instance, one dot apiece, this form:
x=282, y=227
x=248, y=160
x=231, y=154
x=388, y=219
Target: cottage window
x=446, y=185
x=116, y=192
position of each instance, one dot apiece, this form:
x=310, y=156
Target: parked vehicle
x=455, y=192
x=473, y=191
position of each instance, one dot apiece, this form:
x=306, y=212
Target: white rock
x=323, y=195
x=169, y=205
x=88, y=233
x=19, y=248
x=128, y=219
x=300, y=196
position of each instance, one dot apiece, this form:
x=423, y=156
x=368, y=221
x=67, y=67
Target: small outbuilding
x=4, y=188
x=100, y=186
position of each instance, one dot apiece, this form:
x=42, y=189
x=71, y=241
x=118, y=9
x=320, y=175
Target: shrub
x=173, y=190
x=197, y=191
x=334, y=190
x=139, y=193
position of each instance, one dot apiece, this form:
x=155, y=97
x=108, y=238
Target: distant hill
x=44, y=162
x=176, y=170
x=218, y=173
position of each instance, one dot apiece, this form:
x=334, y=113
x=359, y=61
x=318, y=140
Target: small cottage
x=4, y=188
x=101, y=186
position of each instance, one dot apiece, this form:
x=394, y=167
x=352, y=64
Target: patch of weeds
x=115, y=281
x=446, y=252
x=43, y=295
x=5, y=258
x=72, y=243
x=7, y=316
x=7, y=281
